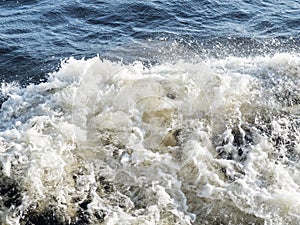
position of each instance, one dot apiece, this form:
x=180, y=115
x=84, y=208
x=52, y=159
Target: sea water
x=131, y=112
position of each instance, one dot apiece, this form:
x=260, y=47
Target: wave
x=214, y=142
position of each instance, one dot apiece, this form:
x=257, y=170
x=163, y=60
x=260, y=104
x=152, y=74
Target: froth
x=102, y=142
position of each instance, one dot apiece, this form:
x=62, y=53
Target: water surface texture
x=149, y=112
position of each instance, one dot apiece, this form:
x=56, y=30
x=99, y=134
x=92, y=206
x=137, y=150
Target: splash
x=100, y=142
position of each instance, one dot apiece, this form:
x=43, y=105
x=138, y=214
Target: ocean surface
x=149, y=112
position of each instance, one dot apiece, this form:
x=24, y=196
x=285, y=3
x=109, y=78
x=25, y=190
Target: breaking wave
x=214, y=142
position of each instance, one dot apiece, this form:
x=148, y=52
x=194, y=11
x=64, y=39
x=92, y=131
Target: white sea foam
x=215, y=142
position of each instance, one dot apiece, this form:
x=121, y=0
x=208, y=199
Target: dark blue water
x=36, y=35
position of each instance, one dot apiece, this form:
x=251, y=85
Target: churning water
x=180, y=112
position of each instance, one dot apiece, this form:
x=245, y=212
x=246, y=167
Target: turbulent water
x=157, y=112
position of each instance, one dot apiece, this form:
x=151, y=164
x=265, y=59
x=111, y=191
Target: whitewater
x=105, y=142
